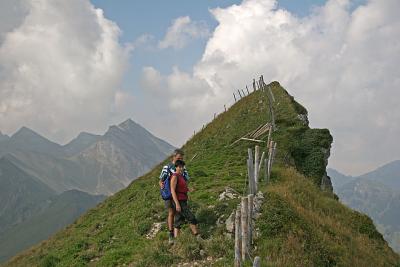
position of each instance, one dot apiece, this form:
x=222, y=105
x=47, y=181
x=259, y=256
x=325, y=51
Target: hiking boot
x=171, y=238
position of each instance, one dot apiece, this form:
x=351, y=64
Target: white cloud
x=60, y=69
x=151, y=79
x=340, y=62
x=182, y=31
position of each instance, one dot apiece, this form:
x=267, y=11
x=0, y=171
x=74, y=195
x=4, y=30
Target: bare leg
x=170, y=220
x=176, y=230
x=193, y=227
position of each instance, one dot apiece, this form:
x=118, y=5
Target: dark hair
x=179, y=163
x=178, y=151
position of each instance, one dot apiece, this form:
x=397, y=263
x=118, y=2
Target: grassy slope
x=300, y=225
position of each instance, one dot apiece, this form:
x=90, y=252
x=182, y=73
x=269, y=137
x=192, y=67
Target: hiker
x=165, y=176
x=179, y=190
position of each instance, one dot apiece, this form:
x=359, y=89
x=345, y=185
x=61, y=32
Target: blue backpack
x=166, y=191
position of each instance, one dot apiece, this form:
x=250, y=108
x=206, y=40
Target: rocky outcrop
x=303, y=118
x=326, y=183
x=228, y=193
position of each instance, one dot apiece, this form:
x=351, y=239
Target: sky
x=83, y=65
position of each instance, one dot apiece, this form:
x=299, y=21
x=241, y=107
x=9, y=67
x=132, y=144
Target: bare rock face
x=303, y=118
x=122, y=154
x=326, y=184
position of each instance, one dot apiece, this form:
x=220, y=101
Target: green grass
x=300, y=225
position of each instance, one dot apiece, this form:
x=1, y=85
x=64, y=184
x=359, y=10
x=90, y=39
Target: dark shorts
x=184, y=215
x=168, y=204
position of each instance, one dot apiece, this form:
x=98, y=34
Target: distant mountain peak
x=26, y=139
x=25, y=132
x=80, y=143
x=128, y=124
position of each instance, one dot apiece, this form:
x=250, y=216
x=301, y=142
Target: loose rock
x=154, y=230
x=229, y=193
x=230, y=223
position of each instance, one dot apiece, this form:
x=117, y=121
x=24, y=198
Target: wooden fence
x=244, y=216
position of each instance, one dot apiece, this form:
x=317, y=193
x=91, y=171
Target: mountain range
x=44, y=186
x=377, y=194
x=90, y=163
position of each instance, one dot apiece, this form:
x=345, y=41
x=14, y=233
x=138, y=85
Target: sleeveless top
x=181, y=187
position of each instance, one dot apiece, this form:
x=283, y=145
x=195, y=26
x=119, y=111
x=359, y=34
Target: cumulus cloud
x=11, y=14
x=340, y=62
x=151, y=79
x=61, y=66
x=182, y=31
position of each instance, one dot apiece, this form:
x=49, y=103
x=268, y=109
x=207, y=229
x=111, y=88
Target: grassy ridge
x=300, y=225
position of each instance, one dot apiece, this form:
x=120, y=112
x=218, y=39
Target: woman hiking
x=179, y=190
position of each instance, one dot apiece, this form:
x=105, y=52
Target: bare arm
x=174, y=180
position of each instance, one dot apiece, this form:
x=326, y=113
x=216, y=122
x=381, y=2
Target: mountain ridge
x=97, y=164
x=80, y=143
x=376, y=193
x=20, y=194
x=300, y=224
x=60, y=210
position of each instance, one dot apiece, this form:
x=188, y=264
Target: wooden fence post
x=271, y=147
x=250, y=218
x=271, y=94
x=234, y=96
x=247, y=90
x=256, y=165
x=250, y=169
x=271, y=110
x=273, y=153
x=238, y=258
x=254, y=85
x=266, y=171
x=239, y=94
x=243, y=92
x=261, y=163
x=244, y=224
x=225, y=108
x=269, y=136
